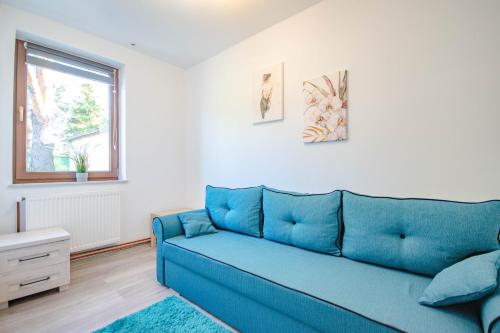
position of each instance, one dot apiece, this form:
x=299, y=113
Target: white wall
x=424, y=103
x=152, y=104
x=424, y=108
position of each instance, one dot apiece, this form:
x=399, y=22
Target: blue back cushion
x=418, y=235
x=238, y=210
x=309, y=221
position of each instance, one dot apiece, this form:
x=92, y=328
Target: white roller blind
x=59, y=61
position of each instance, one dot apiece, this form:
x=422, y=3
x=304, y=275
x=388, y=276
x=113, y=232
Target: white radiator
x=92, y=218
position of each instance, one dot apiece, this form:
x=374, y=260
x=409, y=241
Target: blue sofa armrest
x=165, y=227
x=490, y=311
x=168, y=226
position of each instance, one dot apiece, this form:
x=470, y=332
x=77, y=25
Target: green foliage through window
x=84, y=115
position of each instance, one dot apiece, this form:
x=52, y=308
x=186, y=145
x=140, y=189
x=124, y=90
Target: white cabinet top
x=33, y=237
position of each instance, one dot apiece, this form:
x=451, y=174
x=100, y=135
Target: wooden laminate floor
x=103, y=288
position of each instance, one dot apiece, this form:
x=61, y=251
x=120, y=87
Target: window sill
x=90, y=182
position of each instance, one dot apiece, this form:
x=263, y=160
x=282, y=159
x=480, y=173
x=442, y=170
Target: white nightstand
x=33, y=261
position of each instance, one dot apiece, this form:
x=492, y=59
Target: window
x=64, y=105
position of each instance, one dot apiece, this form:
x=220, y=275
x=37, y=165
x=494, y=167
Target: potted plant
x=81, y=159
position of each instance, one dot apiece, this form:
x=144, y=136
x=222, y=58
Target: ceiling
x=181, y=32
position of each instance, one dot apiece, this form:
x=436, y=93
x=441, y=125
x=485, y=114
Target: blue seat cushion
x=309, y=221
x=384, y=295
x=238, y=210
x=418, y=235
x=490, y=310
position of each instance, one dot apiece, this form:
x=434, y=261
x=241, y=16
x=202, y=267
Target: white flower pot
x=82, y=177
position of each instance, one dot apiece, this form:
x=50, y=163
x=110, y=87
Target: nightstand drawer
x=29, y=258
x=26, y=283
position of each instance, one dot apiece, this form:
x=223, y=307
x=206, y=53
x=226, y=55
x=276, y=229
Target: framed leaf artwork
x=325, y=108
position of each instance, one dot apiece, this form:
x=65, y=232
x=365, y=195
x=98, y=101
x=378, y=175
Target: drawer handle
x=33, y=282
x=33, y=258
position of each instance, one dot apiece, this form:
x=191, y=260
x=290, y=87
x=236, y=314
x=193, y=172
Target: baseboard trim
x=117, y=247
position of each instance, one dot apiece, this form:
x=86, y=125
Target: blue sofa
x=286, y=276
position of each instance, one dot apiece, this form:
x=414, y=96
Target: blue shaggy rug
x=169, y=315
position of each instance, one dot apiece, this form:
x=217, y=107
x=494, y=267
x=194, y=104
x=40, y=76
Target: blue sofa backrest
x=309, y=221
x=238, y=210
x=418, y=235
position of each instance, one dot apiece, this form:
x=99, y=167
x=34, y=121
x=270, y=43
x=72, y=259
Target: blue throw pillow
x=196, y=224
x=238, y=210
x=309, y=221
x=465, y=281
x=418, y=235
